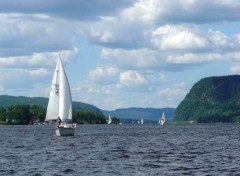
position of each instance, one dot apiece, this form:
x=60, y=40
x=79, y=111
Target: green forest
x=211, y=100
x=24, y=114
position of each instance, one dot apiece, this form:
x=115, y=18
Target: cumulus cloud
x=189, y=38
x=140, y=81
x=30, y=75
x=114, y=32
x=134, y=59
x=190, y=58
x=182, y=11
x=23, y=34
x=104, y=75
x=22, y=78
x=131, y=78
x=74, y=9
x=235, y=69
x=175, y=22
x=45, y=59
x=178, y=38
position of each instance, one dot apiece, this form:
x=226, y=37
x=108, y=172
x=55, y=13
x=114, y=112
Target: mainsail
x=162, y=119
x=60, y=99
x=109, y=119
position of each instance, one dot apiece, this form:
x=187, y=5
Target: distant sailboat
x=109, y=119
x=60, y=102
x=142, y=122
x=162, y=120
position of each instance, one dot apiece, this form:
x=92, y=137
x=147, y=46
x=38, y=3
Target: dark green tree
x=3, y=114
x=115, y=120
x=39, y=113
x=88, y=117
x=19, y=114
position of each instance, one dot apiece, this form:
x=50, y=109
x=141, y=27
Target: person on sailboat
x=59, y=121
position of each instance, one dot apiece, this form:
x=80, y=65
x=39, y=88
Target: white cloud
x=44, y=59
x=23, y=34
x=132, y=80
x=150, y=10
x=74, y=9
x=133, y=59
x=114, y=32
x=104, y=75
x=180, y=84
x=218, y=38
x=235, y=68
x=177, y=37
x=191, y=58
x=22, y=78
x=181, y=11
x=29, y=75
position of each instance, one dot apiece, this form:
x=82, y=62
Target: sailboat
x=162, y=120
x=109, y=119
x=60, y=102
x=142, y=121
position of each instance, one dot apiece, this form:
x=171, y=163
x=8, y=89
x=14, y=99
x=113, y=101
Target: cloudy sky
x=118, y=53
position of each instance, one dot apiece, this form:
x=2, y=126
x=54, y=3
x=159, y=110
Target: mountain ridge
x=136, y=113
x=8, y=100
x=125, y=114
x=211, y=100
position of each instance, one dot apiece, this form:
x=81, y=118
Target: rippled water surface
x=121, y=150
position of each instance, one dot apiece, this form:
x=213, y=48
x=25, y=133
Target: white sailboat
x=162, y=120
x=60, y=102
x=142, y=121
x=109, y=119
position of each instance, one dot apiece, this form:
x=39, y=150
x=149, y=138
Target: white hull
x=65, y=131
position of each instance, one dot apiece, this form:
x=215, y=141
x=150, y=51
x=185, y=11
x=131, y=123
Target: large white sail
x=53, y=105
x=65, y=98
x=60, y=100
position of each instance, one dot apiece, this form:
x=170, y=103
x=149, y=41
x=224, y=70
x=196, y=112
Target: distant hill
x=212, y=100
x=148, y=114
x=126, y=115
x=6, y=101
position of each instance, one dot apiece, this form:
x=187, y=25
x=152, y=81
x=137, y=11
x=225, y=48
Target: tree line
x=24, y=114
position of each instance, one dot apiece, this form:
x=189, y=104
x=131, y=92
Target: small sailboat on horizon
x=109, y=120
x=60, y=102
x=162, y=120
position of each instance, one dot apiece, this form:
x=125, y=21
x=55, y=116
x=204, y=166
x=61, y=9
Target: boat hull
x=65, y=131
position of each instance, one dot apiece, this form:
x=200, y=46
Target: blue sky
x=118, y=54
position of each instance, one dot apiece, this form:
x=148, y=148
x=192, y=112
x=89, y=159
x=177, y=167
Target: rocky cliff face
x=211, y=100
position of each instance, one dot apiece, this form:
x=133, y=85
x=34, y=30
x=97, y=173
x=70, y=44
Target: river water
x=204, y=149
